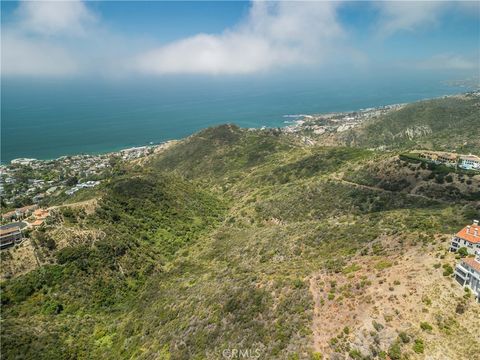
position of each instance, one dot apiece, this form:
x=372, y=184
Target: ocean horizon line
x=122, y=147
x=99, y=148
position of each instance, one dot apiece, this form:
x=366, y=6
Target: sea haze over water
x=48, y=119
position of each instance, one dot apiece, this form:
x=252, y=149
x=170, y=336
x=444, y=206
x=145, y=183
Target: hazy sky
x=147, y=39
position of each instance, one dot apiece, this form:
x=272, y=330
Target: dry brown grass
x=399, y=297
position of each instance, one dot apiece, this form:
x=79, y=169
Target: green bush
x=404, y=337
x=447, y=270
x=425, y=326
x=418, y=346
x=79, y=253
x=395, y=352
x=355, y=354
x=45, y=241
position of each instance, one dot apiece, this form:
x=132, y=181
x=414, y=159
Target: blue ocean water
x=47, y=119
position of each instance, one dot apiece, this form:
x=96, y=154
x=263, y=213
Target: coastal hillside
x=449, y=123
x=225, y=151
x=403, y=174
x=258, y=240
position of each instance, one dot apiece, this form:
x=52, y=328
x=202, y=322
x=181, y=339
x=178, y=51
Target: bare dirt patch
x=18, y=260
x=374, y=299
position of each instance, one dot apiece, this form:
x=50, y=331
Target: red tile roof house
x=468, y=237
x=467, y=273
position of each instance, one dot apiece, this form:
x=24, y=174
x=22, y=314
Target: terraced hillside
x=250, y=240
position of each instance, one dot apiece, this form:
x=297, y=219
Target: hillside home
x=439, y=157
x=468, y=237
x=19, y=213
x=40, y=216
x=467, y=273
x=469, y=162
x=10, y=234
x=9, y=215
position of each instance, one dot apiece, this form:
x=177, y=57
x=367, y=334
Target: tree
x=463, y=252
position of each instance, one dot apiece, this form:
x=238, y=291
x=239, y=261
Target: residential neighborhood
x=27, y=185
x=319, y=124
x=34, y=181
x=27, y=181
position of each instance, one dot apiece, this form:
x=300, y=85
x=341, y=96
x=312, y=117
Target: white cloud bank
x=35, y=44
x=64, y=38
x=397, y=16
x=70, y=17
x=22, y=56
x=273, y=35
x=407, y=15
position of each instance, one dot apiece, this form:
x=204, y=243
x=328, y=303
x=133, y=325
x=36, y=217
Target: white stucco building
x=470, y=162
x=468, y=237
x=467, y=273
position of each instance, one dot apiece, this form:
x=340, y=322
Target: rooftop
x=443, y=154
x=471, y=233
x=10, y=213
x=9, y=230
x=21, y=210
x=37, y=222
x=20, y=224
x=26, y=208
x=473, y=263
x=470, y=157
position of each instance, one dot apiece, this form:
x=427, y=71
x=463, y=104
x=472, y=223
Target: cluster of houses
x=334, y=122
x=28, y=217
x=467, y=271
x=23, y=161
x=467, y=162
x=85, y=185
x=48, y=177
x=136, y=152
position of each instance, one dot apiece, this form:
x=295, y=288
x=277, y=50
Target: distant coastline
x=284, y=121
x=116, y=152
